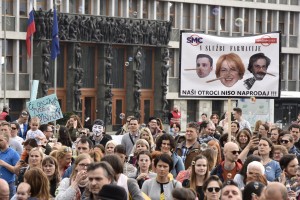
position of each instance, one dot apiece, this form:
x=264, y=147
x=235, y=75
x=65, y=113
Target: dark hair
x=285, y=160
x=238, y=110
x=184, y=194
x=177, y=125
x=245, y=131
x=253, y=188
x=205, y=56
x=255, y=57
x=270, y=144
x=194, y=125
x=229, y=182
x=101, y=147
x=115, y=162
x=251, y=158
x=164, y=158
x=43, y=127
x=237, y=124
x=107, y=168
x=294, y=126
x=204, y=114
x=266, y=127
x=133, y=119
x=98, y=122
x=16, y=124
x=84, y=140
x=223, y=138
x=211, y=179
x=120, y=149
x=152, y=118
x=31, y=142
x=165, y=137
x=64, y=136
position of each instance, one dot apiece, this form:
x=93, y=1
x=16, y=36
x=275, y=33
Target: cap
x=112, y=192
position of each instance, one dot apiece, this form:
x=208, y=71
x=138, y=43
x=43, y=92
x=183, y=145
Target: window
x=159, y=10
x=283, y=1
x=171, y=6
x=118, y=66
x=87, y=7
x=292, y=20
x=198, y=17
x=22, y=57
x=237, y=20
x=88, y=65
x=211, y=19
x=103, y=5
x=9, y=7
x=221, y=11
x=258, y=21
x=23, y=8
x=9, y=55
x=41, y=4
x=246, y=20
x=281, y=22
x=145, y=9
x=269, y=21
x=191, y=111
x=60, y=68
x=186, y=16
x=171, y=63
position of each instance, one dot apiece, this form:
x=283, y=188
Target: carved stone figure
x=138, y=58
x=108, y=71
x=77, y=94
x=108, y=110
x=78, y=53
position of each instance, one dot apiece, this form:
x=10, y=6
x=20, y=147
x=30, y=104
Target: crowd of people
x=71, y=162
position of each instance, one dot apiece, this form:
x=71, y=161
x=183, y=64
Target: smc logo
x=194, y=40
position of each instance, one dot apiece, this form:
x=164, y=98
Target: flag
x=30, y=32
x=55, y=40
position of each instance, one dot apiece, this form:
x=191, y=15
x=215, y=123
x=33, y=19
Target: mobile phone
x=255, y=133
x=22, y=161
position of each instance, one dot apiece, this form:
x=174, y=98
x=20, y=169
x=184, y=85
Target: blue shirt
x=272, y=170
x=11, y=157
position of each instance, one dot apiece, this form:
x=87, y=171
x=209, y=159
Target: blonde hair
x=62, y=151
x=35, y=120
x=80, y=158
x=110, y=142
x=139, y=142
x=147, y=130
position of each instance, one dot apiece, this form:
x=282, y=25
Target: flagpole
x=5, y=63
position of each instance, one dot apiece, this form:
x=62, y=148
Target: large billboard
x=214, y=66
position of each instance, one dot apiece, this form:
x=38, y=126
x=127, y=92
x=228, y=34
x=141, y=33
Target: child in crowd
x=34, y=132
x=23, y=191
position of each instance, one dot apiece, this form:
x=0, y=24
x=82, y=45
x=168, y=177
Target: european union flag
x=55, y=40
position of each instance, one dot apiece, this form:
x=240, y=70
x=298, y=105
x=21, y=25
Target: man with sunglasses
x=231, y=165
x=14, y=144
x=287, y=141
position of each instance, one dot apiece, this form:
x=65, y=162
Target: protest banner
x=230, y=67
x=47, y=109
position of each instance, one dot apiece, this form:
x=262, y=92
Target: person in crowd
x=275, y=135
x=39, y=184
x=48, y=132
x=143, y=167
x=166, y=144
x=265, y=150
x=4, y=190
x=212, y=188
x=96, y=155
x=99, y=135
x=215, y=119
x=230, y=190
x=256, y=125
x=231, y=165
x=255, y=172
x=199, y=174
x=161, y=186
x=34, y=132
x=4, y=115
x=23, y=122
x=224, y=122
x=73, y=124
x=294, y=130
x=253, y=190
x=214, y=144
x=275, y=190
x=28, y=145
x=50, y=168
x=130, y=138
x=240, y=177
x=243, y=138
x=128, y=169
x=212, y=157
x=99, y=147
x=229, y=69
x=288, y=142
x=15, y=145
x=140, y=145
x=189, y=148
x=23, y=191
x=155, y=127
x=289, y=165
x=235, y=128
x=237, y=114
x=263, y=130
x=206, y=132
x=224, y=139
x=15, y=128
x=83, y=132
x=112, y=192
x=130, y=185
x=175, y=130
x=146, y=135
x=64, y=159
x=64, y=136
x=110, y=146
x=73, y=187
x=279, y=151
x=184, y=194
x=174, y=116
x=250, y=149
x=34, y=160
x=125, y=127
x=8, y=159
x=99, y=174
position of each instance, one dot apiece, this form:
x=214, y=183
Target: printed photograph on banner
x=215, y=66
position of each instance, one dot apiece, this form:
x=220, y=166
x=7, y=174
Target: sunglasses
x=284, y=141
x=235, y=152
x=83, y=133
x=213, y=189
x=13, y=128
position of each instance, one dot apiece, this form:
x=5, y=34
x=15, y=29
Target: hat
x=98, y=122
x=24, y=113
x=112, y=192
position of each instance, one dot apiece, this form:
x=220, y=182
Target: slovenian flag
x=30, y=32
x=55, y=40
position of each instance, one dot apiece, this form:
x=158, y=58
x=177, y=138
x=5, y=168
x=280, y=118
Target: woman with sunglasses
x=265, y=150
x=64, y=158
x=50, y=168
x=212, y=188
x=199, y=174
x=73, y=187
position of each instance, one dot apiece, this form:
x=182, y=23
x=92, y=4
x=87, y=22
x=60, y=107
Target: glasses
x=83, y=165
x=235, y=152
x=83, y=133
x=13, y=128
x=213, y=189
x=284, y=141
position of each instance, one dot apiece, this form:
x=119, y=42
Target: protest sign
x=214, y=66
x=47, y=109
